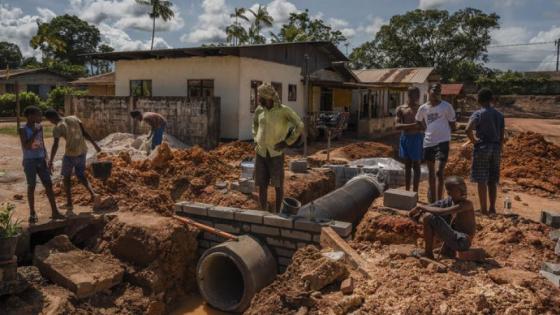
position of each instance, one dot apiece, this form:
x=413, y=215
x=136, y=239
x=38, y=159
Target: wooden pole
x=206, y=228
x=18, y=108
x=306, y=102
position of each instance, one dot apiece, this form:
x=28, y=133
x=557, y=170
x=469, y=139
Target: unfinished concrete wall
x=191, y=121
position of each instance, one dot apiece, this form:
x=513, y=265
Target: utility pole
x=557, y=53
x=306, y=104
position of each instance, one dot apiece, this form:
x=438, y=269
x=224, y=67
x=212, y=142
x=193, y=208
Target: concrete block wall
x=282, y=235
x=195, y=122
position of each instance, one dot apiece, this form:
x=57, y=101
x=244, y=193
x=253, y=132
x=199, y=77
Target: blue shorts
x=157, y=136
x=74, y=163
x=485, y=166
x=410, y=147
x=34, y=167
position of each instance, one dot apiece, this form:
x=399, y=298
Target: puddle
x=195, y=305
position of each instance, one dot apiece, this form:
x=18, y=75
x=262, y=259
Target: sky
x=125, y=25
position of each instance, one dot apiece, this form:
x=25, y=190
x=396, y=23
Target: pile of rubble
x=507, y=282
x=528, y=160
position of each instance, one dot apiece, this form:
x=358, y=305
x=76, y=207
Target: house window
x=292, y=92
x=10, y=88
x=254, y=94
x=140, y=87
x=200, y=88
x=33, y=88
x=278, y=87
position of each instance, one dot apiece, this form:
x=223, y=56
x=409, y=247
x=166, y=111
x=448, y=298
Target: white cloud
x=373, y=26
x=123, y=14
x=280, y=10
x=434, y=4
x=18, y=28
x=121, y=41
x=211, y=23
x=343, y=26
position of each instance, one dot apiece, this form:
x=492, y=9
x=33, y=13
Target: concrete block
x=251, y=216
x=196, y=208
x=344, y=229
x=551, y=267
x=265, y=230
x=317, y=238
x=279, y=242
x=554, y=234
x=283, y=252
x=283, y=261
x=298, y=166
x=552, y=278
x=551, y=218
x=246, y=228
x=79, y=271
x=297, y=235
x=400, y=199
x=279, y=221
x=221, y=212
x=307, y=225
x=302, y=244
x=229, y=228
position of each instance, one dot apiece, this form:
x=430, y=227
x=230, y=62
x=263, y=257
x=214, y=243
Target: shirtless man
x=410, y=147
x=457, y=234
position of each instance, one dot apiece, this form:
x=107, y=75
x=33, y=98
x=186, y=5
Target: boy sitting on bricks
x=452, y=220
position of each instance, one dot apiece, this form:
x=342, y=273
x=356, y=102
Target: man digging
x=271, y=132
x=157, y=125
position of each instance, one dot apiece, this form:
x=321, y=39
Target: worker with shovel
x=271, y=132
x=157, y=125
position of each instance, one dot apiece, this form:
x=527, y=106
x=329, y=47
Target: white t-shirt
x=437, y=119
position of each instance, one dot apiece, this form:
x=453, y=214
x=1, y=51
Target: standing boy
x=438, y=118
x=71, y=129
x=410, y=147
x=271, y=133
x=35, y=161
x=485, y=169
x=456, y=233
x=157, y=125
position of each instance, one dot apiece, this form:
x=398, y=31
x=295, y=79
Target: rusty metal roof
x=451, y=89
x=5, y=74
x=100, y=79
x=394, y=75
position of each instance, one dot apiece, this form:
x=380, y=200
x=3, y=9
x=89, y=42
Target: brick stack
x=283, y=235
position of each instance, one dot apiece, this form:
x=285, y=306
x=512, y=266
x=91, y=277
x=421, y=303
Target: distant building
x=39, y=81
x=233, y=73
x=382, y=91
x=97, y=85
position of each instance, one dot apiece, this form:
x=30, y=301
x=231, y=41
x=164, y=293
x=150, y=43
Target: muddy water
x=195, y=305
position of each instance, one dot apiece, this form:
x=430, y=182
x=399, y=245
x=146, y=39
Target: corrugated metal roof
x=100, y=79
x=394, y=75
x=451, y=89
x=16, y=72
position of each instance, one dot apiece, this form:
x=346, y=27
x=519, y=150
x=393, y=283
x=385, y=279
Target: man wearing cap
x=438, y=118
x=271, y=132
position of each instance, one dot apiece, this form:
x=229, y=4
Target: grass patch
x=10, y=130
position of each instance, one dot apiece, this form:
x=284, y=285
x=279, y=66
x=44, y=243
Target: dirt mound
x=362, y=150
x=159, y=253
x=235, y=151
x=528, y=159
x=387, y=229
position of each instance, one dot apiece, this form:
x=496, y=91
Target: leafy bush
x=8, y=102
x=511, y=82
x=8, y=226
x=57, y=95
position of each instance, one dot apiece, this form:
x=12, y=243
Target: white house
x=233, y=74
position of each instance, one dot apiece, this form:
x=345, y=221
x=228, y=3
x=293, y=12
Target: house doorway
x=326, y=101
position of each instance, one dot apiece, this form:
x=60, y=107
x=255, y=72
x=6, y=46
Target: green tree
x=30, y=63
x=262, y=19
x=422, y=38
x=301, y=27
x=10, y=55
x=236, y=34
x=160, y=9
x=66, y=38
x=8, y=102
x=57, y=95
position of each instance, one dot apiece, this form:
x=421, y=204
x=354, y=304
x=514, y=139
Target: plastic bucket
x=102, y=170
x=290, y=206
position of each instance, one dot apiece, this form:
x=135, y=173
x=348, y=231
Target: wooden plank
x=329, y=238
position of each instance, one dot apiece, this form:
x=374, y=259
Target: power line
x=522, y=44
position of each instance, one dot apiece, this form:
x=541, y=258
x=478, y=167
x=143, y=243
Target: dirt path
x=549, y=128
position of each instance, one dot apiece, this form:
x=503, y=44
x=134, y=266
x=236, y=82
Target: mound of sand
x=134, y=145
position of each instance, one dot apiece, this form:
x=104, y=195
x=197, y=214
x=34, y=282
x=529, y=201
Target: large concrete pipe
x=231, y=273
x=348, y=203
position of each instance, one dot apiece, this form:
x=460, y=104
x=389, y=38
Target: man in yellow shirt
x=271, y=132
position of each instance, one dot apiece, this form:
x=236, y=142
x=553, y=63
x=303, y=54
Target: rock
x=554, y=235
x=316, y=294
x=221, y=185
x=334, y=256
x=302, y=310
x=348, y=303
x=81, y=272
x=324, y=274
x=512, y=276
x=347, y=286
x=517, y=198
x=552, y=278
x=473, y=254
x=18, y=197
x=551, y=267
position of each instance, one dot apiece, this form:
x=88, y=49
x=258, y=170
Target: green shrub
x=8, y=102
x=511, y=82
x=8, y=226
x=57, y=95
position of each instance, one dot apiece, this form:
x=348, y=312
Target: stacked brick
x=283, y=235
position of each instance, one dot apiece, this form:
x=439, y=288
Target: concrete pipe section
x=348, y=203
x=231, y=273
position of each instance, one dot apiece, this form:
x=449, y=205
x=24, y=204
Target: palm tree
x=238, y=13
x=160, y=9
x=236, y=34
x=262, y=20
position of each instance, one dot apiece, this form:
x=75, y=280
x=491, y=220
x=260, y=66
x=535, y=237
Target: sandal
x=57, y=216
x=33, y=218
